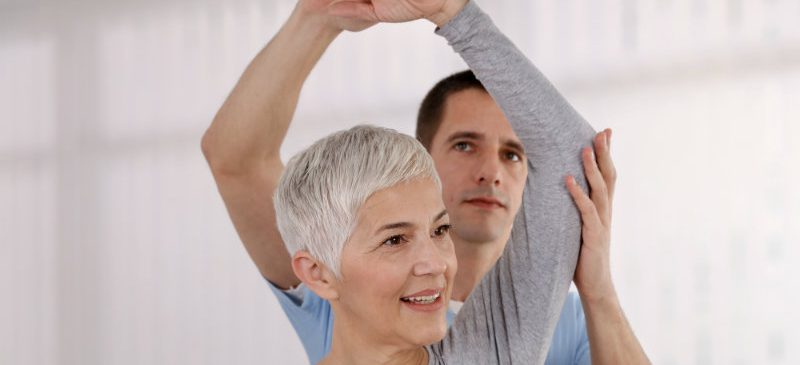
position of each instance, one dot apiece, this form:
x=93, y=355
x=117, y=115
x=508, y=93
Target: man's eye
x=394, y=240
x=462, y=146
x=513, y=156
x=441, y=230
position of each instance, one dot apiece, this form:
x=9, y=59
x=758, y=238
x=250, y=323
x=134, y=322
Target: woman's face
x=398, y=266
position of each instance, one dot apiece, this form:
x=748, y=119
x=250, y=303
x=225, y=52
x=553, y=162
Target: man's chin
x=478, y=232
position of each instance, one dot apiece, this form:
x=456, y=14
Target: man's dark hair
x=430, y=111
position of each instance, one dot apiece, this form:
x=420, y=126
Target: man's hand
x=398, y=11
x=593, y=274
x=331, y=12
x=611, y=337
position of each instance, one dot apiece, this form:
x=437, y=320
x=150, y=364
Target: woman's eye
x=441, y=230
x=462, y=146
x=394, y=240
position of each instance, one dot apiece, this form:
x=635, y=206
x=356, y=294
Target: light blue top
x=312, y=319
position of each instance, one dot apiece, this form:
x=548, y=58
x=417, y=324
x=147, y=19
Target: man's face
x=482, y=165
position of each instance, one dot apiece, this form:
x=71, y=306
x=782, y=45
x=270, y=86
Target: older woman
x=362, y=213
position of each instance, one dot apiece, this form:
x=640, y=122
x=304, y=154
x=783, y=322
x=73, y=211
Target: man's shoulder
x=300, y=299
x=310, y=316
x=570, y=344
x=572, y=317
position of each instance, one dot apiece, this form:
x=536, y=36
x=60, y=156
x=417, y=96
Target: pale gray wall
x=117, y=249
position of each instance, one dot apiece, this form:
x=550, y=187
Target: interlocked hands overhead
x=334, y=14
x=397, y=11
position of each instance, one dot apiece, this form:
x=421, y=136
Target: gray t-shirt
x=510, y=317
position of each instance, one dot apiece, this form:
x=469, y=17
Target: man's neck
x=475, y=259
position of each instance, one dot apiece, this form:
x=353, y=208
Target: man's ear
x=315, y=275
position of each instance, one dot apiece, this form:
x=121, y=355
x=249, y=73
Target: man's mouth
x=486, y=202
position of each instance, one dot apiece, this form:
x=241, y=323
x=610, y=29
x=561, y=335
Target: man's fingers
x=602, y=147
x=585, y=205
x=599, y=193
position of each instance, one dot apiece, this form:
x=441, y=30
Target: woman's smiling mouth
x=426, y=301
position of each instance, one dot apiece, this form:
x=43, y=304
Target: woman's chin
x=430, y=335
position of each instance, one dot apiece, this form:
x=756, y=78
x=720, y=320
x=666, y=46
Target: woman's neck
x=351, y=346
x=366, y=356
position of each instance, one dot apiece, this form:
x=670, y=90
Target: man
x=478, y=157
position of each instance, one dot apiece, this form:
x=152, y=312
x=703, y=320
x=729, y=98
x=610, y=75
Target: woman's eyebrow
x=440, y=215
x=394, y=226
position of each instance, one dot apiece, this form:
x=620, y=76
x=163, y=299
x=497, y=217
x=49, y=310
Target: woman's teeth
x=425, y=299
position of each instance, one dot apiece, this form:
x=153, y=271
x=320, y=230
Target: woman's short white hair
x=323, y=187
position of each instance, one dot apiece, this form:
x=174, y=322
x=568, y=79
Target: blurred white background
x=116, y=247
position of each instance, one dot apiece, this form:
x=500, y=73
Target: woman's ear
x=315, y=275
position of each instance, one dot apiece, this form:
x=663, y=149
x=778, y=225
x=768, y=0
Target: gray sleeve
x=510, y=317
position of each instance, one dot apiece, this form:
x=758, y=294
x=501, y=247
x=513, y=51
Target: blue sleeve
x=311, y=317
x=583, y=354
x=570, y=344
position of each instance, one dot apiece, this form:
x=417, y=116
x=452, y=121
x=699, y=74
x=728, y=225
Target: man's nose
x=488, y=170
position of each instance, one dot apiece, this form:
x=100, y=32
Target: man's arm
x=611, y=338
x=242, y=145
